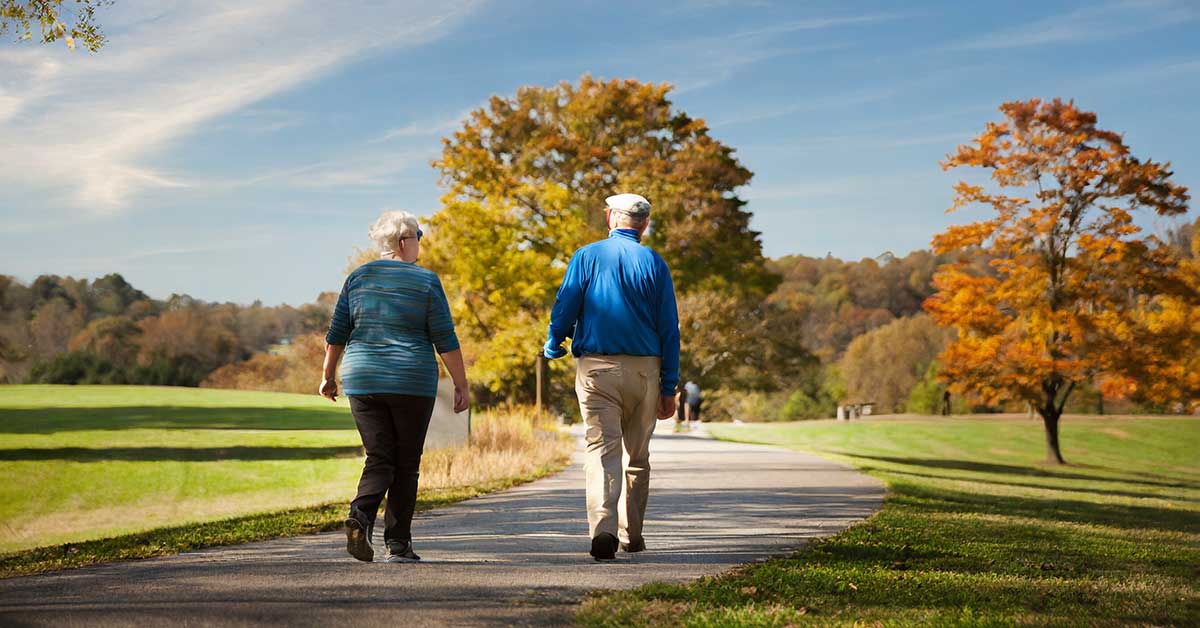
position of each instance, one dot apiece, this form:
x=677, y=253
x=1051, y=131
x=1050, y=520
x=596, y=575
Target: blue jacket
x=617, y=298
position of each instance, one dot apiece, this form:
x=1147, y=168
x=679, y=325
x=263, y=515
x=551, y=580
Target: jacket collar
x=628, y=234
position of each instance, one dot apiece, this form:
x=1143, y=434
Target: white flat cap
x=632, y=204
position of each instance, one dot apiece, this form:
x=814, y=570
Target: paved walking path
x=517, y=557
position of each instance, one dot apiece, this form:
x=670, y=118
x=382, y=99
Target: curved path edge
x=513, y=557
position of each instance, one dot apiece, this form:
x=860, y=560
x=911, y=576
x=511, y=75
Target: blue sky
x=238, y=150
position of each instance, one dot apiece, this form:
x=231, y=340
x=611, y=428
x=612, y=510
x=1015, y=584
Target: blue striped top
x=391, y=315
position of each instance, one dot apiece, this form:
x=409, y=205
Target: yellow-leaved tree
x=526, y=178
x=73, y=23
x=1075, y=292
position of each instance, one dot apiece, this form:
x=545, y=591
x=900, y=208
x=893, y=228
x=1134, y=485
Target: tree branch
x=1066, y=394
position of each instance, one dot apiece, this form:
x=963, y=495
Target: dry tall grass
x=507, y=443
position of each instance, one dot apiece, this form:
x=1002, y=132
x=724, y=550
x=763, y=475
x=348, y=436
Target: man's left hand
x=666, y=407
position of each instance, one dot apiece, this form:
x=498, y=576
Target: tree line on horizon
x=75, y=331
x=68, y=330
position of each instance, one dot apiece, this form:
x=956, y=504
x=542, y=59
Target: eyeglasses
x=420, y=234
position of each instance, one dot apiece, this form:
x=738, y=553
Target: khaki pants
x=618, y=397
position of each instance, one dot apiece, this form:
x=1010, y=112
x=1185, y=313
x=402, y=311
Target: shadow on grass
x=1009, y=469
x=50, y=420
x=1074, y=511
x=1045, y=487
x=191, y=454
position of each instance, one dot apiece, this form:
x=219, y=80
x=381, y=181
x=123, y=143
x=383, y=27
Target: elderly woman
x=390, y=318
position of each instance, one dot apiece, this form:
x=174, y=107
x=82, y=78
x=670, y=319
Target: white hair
x=391, y=226
x=626, y=221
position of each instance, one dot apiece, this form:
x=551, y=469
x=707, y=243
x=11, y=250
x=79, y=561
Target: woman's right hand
x=329, y=389
x=462, y=397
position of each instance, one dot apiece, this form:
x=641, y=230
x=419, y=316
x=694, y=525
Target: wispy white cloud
x=268, y=120
x=88, y=128
x=363, y=168
x=807, y=191
x=186, y=257
x=217, y=244
x=424, y=128
x=713, y=59
x=1156, y=71
x=831, y=101
x=814, y=23
x=878, y=143
x=695, y=6
x=1093, y=22
x=720, y=64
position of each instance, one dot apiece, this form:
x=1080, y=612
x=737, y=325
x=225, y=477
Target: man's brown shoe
x=634, y=545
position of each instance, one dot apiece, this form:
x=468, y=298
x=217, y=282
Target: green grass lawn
x=87, y=462
x=976, y=530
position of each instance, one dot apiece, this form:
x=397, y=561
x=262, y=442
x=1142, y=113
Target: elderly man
x=617, y=303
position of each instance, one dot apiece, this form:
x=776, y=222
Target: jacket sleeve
x=342, y=323
x=438, y=322
x=668, y=331
x=566, y=309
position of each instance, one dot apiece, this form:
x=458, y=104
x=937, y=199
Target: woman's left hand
x=462, y=398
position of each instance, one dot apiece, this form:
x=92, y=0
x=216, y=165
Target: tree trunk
x=1050, y=417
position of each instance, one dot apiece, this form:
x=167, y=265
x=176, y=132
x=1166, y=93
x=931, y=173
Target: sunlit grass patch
x=976, y=530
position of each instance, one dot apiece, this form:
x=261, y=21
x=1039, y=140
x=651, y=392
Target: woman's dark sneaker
x=358, y=539
x=634, y=545
x=401, y=552
x=604, y=546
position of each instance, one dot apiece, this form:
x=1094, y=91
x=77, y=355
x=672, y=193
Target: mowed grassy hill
x=976, y=530
x=86, y=462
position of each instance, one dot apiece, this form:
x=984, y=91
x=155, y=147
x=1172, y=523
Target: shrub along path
x=512, y=557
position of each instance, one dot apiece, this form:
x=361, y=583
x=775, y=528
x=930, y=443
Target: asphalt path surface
x=516, y=557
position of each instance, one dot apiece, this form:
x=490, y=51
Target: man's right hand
x=553, y=352
x=666, y=407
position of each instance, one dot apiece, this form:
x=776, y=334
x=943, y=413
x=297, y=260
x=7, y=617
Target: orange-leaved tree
x=1075, y=293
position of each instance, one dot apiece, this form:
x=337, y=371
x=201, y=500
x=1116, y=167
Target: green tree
x=75, y=23
x=112, y=338
x=113, y=295
x=731, y=342
x=884, y=364
x=76, y=368
x=499, y=286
